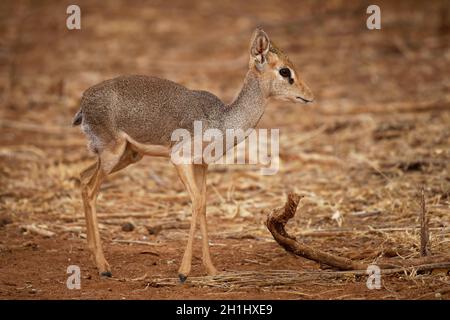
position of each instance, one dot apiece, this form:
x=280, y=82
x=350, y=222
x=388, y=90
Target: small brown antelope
x=129, y=117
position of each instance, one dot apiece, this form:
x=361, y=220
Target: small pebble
x=154, y=230
x=4, y=220
x=127, y=227
x=30, y=244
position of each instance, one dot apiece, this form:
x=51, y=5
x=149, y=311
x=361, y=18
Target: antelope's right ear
x=259, y=46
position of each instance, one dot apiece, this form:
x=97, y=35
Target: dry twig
x=276, y=221
x=278, y=218
x=424, y=233
x=37, y=230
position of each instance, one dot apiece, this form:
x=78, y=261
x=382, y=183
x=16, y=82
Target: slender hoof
x=107, y=274
x=182, y=277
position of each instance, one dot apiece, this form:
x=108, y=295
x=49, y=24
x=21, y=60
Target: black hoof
x=106, y=274
x=182, y=277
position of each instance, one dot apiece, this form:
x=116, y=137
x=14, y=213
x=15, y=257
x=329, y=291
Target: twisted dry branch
x=276, y=222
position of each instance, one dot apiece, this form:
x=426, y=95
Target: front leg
x=206, y=256
x=193, y=177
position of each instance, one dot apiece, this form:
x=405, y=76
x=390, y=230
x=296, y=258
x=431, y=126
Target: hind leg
x=128, y=157
x=89, y=190
x=111, y=159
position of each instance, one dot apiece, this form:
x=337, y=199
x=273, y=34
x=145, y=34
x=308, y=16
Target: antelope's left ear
x=259, y=46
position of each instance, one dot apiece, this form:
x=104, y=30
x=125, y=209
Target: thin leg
x=87, y=173
x=128, y=157
x=91, y=179
x=194, y=179
x=186, y=174
x=206, y=256
x=89, y=193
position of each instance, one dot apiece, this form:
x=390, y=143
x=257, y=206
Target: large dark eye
x=285, y=72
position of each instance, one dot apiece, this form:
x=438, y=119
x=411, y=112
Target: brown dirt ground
x=379, y=131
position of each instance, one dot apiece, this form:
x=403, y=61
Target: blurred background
x=378, y=132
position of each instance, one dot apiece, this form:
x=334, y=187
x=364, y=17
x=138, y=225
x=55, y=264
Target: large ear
x=259, y=45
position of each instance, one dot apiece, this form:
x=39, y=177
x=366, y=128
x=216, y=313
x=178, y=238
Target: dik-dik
x=129, y=117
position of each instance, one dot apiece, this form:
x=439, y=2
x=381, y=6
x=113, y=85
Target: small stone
x=4, y=220
x=30, y=244
x=127, y=227
x=438, y=295
x=154, y=230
